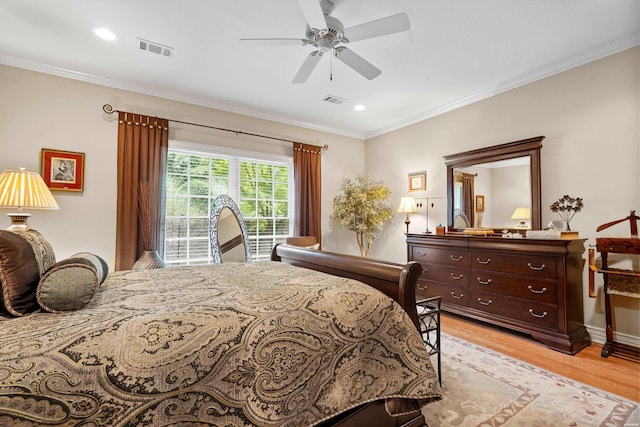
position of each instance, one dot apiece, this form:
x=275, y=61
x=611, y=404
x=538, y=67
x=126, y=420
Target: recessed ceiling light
x=359, y=107
x=104, y=33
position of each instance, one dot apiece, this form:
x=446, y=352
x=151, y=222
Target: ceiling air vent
x=334, y=99
x=156, y=48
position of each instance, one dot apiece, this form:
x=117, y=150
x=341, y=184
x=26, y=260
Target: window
x=261, y=185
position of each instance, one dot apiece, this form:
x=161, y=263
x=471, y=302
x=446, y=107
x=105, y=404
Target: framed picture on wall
x=62, y=170
x=479, y=203
x=418, y=181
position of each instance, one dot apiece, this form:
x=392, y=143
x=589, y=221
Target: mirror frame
x=526, y=147
x=220, y=203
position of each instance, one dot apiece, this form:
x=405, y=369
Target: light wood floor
x=615, y=374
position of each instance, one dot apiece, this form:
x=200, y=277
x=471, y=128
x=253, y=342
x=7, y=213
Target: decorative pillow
x=24, y=256
x=100, y=264
x=69, y=285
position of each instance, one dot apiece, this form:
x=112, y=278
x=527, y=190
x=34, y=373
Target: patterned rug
x=485, y=388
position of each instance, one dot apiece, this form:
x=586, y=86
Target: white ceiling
x=456, y=52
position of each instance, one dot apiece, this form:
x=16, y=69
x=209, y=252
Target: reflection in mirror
x=503, y=186
x=487, y=185
x=228, y=233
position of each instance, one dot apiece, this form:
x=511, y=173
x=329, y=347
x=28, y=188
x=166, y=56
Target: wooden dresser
x=528, y=285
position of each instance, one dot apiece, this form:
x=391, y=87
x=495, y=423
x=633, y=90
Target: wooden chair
x=309, y=242
x=616, y=281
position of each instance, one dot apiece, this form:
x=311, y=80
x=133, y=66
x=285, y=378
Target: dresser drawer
x=529, y=265
x=446, y=274
x=450, y=294
x=533, y=289
x=538, y=314
x=426, y=255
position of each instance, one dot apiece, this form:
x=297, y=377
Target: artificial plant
x=362, y=207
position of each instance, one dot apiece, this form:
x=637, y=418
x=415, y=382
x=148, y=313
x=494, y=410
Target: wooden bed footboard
x=398, y=281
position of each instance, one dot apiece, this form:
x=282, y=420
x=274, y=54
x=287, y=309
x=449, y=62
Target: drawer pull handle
x=424, y=270
x=482, y=282
x=453, y=276
x=536, y=268
x=542, y=291
x=422, y=253
x=421, y=287
x=456, y=296
x=487, y=261
x=539, y=316
x=483, y=302
x=453, y=258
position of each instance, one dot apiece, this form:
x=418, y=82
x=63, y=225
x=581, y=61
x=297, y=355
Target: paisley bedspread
x=265, y=344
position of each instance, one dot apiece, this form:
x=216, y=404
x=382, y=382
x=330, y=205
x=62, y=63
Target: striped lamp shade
x=24, y=189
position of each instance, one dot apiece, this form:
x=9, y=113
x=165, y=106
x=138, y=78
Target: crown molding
x=172, y=95
x=539, y=74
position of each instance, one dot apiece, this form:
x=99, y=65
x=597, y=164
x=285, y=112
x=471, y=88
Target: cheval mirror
x=491, y=187
x=228, y=232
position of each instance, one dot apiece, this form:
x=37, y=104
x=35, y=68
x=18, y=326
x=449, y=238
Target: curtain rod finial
x=107, y=108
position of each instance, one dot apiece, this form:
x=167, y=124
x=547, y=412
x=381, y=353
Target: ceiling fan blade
x=307, y=67
x=313, y=13
x=379, y=27
x=358, y=63
x=271, y=42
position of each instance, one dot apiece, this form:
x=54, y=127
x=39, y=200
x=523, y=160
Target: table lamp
x=24, y=189
x=407, y=205
x=521, y=214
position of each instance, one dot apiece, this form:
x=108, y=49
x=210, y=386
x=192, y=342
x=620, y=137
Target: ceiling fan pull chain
x=331, y=68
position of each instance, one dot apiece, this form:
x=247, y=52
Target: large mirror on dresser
x=497, y=187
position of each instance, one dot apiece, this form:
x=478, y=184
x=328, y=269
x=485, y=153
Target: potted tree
x=362, y=207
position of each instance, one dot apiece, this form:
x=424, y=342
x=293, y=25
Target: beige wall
x=590, y=116
x=43, y=111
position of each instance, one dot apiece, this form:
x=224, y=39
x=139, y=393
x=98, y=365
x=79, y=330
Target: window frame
x=235, y=157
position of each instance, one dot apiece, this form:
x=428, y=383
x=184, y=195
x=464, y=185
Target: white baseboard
x=598, y=335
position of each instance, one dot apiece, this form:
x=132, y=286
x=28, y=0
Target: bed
x=299, y=340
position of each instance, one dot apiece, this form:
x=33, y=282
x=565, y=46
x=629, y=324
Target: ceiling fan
x=327, y=35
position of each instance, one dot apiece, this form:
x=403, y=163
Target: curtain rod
x=107, y=108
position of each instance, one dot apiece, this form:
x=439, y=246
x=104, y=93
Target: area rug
x=485, y=388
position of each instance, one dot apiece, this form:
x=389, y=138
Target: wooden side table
x=429, y=317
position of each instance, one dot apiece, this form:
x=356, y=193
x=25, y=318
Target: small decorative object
x=62, y=170
x=148, y=261
x=567, y=207
x=478, y=231
x=427, y=204
x=440, y=230
x=549, y=234
x=363, y=208
x=150, y=258
x=418, y=181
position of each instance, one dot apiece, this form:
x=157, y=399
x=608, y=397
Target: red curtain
x=143, y=143
x=307, y=177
